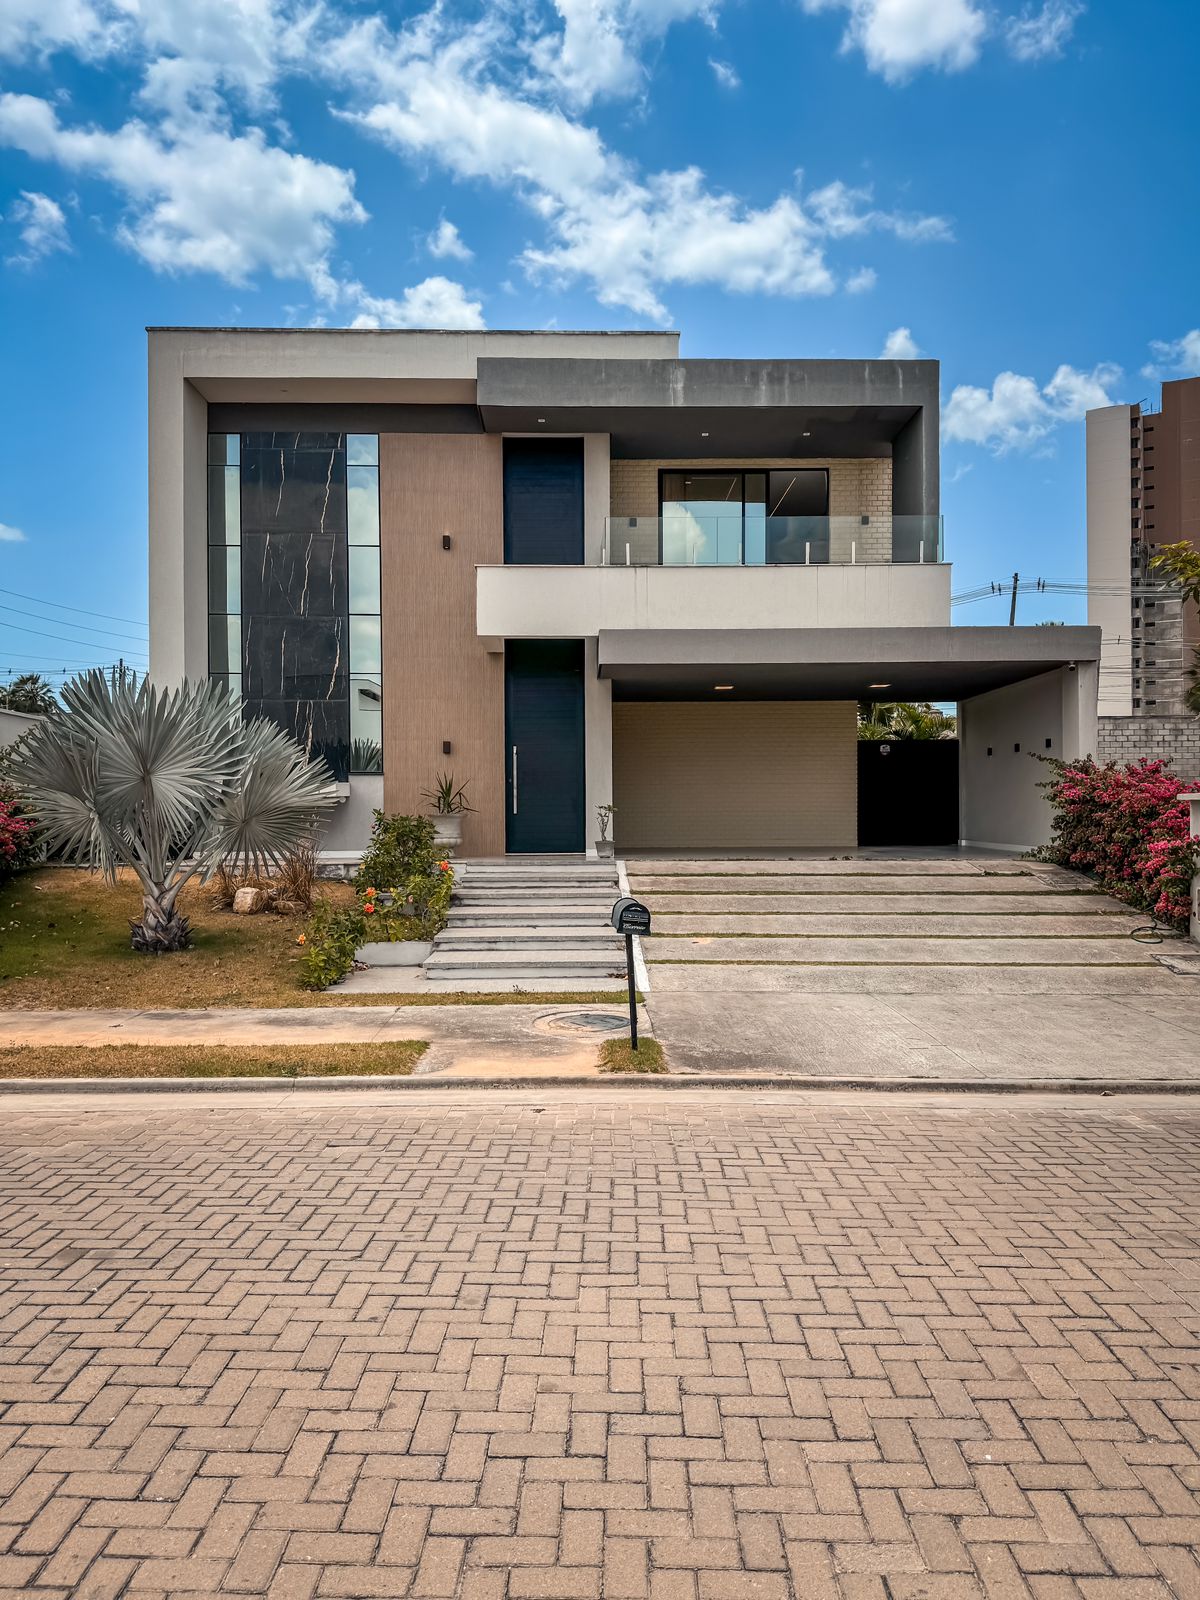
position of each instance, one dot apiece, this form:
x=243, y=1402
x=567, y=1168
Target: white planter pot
x=605, y=849
x=394, y=953
x=447, y=831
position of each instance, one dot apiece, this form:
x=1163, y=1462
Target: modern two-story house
x=577, y=570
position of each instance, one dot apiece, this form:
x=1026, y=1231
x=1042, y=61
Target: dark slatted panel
x=543, y=683
x=543, y=501
x=908, y=792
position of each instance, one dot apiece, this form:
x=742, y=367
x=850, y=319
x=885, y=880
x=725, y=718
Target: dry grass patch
x=64, y=945
x=618, y=1055
x=395, y=1059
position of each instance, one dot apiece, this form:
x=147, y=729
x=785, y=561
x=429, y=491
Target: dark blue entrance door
x=543, y=708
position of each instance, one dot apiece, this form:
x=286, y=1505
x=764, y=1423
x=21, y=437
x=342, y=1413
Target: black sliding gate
x=908, y=792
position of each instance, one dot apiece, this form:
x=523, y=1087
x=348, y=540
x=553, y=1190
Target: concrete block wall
x=1173, y=739
x=858, y=487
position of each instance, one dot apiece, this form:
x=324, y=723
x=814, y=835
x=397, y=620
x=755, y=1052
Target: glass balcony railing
x=691, y=539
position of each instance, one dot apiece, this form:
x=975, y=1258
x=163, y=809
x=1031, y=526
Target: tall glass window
x=720, y=517
x=366, y=640
x=225, y=559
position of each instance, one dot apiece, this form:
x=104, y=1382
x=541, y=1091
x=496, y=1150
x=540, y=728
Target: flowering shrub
x=18, y=842
x=418, y=911
x=1128, y=826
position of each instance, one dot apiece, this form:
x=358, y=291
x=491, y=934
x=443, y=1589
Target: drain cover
x=585, y=1021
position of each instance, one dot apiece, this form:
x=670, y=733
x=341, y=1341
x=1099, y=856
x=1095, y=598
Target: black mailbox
x=631, y=916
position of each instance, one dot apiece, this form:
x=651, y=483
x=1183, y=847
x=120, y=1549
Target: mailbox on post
x=630, y=916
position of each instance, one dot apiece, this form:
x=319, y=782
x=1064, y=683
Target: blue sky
x=1007, y=186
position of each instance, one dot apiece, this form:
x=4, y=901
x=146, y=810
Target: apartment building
x=578, y=570
x=1143, y=490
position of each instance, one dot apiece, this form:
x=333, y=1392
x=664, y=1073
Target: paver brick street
x=676, y=1348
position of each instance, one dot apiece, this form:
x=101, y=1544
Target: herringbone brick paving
x=675, y=1349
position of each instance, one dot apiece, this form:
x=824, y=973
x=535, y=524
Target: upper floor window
x=728, y=518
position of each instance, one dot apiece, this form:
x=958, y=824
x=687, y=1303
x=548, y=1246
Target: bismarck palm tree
x=899, y=719
x=167, y=783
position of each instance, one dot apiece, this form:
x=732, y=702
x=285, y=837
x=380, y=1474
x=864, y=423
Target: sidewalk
x=946, y=1042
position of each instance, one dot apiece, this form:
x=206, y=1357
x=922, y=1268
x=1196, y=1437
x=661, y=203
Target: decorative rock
x=248, y=900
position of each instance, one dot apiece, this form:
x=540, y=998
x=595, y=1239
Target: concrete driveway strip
x=693, y=1348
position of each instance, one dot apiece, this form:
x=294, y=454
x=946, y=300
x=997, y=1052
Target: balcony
x=691, y=539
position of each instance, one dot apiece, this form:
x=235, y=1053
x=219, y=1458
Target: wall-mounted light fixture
x=447, y=747
x=446, y=541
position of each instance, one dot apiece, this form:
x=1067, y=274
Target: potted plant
x=448, y=803
x=605, y=847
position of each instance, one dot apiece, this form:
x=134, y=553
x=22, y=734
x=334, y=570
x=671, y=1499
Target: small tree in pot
x=448, y=803
x=168, y=784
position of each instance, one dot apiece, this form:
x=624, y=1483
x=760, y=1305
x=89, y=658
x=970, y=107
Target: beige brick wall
x=761, y=774
x=858, y=487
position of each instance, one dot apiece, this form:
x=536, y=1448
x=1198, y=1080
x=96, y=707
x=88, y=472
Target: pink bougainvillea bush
x=1129, y=827
x=18, y=847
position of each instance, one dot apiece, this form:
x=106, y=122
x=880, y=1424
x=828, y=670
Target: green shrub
x=333, y=934
x=401, y=848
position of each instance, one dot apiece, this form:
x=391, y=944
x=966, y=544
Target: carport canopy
x=834, y=663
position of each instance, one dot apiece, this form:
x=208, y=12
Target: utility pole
x=1012, y=610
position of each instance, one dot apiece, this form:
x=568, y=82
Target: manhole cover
x=585, y=1022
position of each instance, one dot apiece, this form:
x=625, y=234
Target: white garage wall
x=757, y=775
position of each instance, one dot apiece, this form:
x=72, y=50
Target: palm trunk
x=161, y=929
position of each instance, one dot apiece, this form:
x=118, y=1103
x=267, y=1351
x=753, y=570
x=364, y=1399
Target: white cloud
x=725, y=75
x=1016, y=414
x=10, y=535
x=900, y=37
x=900, y=346
x=38, y=27
x=598, y=49
x=446, y=241
x=862, y=281
x=1174, y=358
x=1035, y=35
x=204, y=200
x=626, y=234
x=435, y=303
x=43, y=226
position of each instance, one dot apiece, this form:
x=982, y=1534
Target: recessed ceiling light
x=879, y=686
x=722, y=686
x=541, y=419
x=806, y=434
x=704, y=436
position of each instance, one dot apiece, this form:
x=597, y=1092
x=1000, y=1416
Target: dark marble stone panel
x=321, y=729
x=294, y=439
x=295, y=658
x=297, y=491
x=294, y=575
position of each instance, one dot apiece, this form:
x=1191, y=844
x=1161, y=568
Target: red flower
x=368, y=908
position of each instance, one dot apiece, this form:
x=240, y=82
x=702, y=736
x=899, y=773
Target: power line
x=84, y=627
x=64, y=638
x=57, y=605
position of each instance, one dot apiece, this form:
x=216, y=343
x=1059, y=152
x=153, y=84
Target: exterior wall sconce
x=447, y=747
x=446, y=541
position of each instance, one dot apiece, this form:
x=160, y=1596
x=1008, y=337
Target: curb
x=608, y=1082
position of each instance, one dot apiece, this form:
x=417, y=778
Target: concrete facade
x=771, y=766
x=1001, y=733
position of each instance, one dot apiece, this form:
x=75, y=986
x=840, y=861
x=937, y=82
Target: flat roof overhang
x=711, y=410
x=834, y=663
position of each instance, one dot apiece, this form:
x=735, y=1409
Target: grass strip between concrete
x=393, y=1058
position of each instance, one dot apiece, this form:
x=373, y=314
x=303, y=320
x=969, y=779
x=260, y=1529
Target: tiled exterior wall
x=1173, y=739
x=858, y=487
x=756, y=774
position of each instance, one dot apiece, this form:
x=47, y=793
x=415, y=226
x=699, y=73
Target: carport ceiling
x=834, y=663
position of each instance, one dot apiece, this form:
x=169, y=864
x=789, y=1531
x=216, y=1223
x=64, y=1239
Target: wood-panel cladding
x=439, y=682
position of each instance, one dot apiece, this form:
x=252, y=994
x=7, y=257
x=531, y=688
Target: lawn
x=64, y=944
x=395, y=1058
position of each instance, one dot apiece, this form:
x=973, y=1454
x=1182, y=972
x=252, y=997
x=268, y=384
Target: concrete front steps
x=523, y=924
x=959, y=925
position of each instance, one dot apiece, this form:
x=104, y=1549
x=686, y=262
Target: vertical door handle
x=514, y=780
